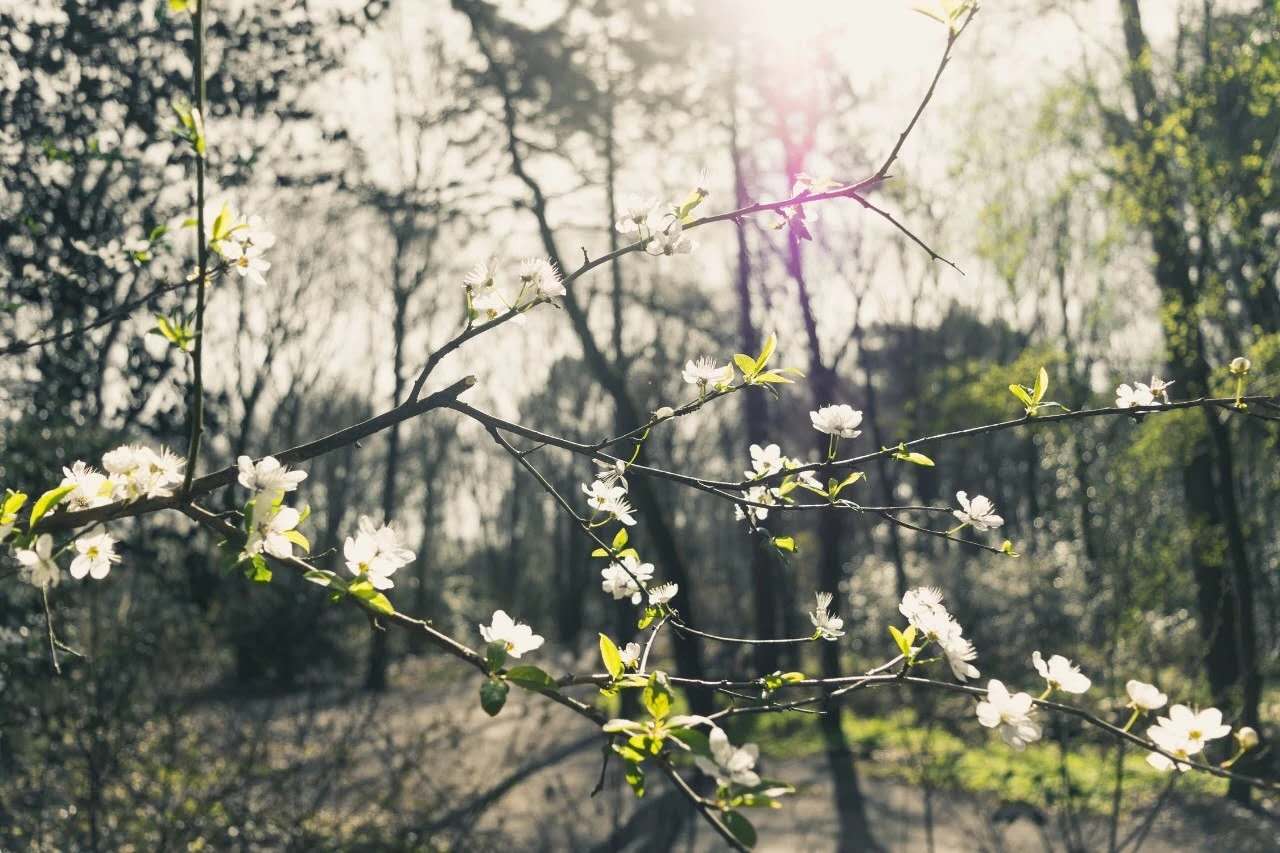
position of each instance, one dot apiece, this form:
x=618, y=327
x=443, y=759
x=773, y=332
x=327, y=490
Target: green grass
x=900, y=747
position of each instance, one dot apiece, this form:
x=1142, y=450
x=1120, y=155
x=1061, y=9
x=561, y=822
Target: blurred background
x=1104, y=173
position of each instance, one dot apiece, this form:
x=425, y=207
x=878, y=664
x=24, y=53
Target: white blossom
x=38, y=566
x=375, y=552
x=766, y=460
x=136, y=471
x=1196, y=728
x=517, y=637
x=268, y=476
x=959, y=652
x=1173, y=742
x=842, y=421
x=620, y=578
x=1143, y=696
x=92, y=488
x=247, y=260
x=828, y=625
x=95, y=556
x=1061, y=673
x=926, y=613
x=255, y=234
x=756, y=495
x=1138, y=395
x=704, y=371
x=269, y=528
x=669, y=241
x=633, y=214
x=1247, y=738
x=630, y=655
x=482, y=275
x=729, y=764
x=612, y=500
x=1184, y=734
x=979, y=512
x=1159, y=389
x=1010, y=713
x=663, y=593
x=611, y=473
x=539, y=274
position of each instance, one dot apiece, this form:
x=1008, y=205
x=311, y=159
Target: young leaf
x=530, y=677
x=609, y=654
x=657, y=698
x=746, y=364
x=741, y=828
x=914, y=458
x=1023, y=396
x=259, y=571
x=298, y=539
x=495, y=655
x=785, y=543
x=48, y=501
x=493, y=695
x=1041, y=386
x=904, y=645
x=620, y=538
x=635, y=778
x=770, y=344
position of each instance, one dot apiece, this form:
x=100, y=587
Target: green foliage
x=44, y=503
x=611, y=657
x=493, y=695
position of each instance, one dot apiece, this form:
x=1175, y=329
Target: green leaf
x=646, y=618
x=531, y=677
x=635, y=778
x=13, y=501
x=298, y=539
x=1007, y=548
x=325, y=578
x=600, y=552
x=740, y=828
x=746, y=364
x=657, y=698
x=495, y=655
x=785, y=543
x=1041, y=386
x=620, y=539
x=1023, y=395
x=259, y=571
x=770, y=344
x=375, y=600
x=48, y=501
x=697, y=741
x=904, y=644
x=914, y=458
x=611, y=657
x=771, y=376
x=493, y=695
x=834, y=488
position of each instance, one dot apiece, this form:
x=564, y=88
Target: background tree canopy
x=1091, y=189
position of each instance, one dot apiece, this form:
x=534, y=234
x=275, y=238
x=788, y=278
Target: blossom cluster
x=1142, y=394
x=484, y=284
x=607, y=495
x=926, y=613
x=659, y=227
x=130, y=472
x=239, y=241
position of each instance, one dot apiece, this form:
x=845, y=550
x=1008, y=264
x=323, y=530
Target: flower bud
x=664, y=413
x=1247, y=738
x=1240, y=366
